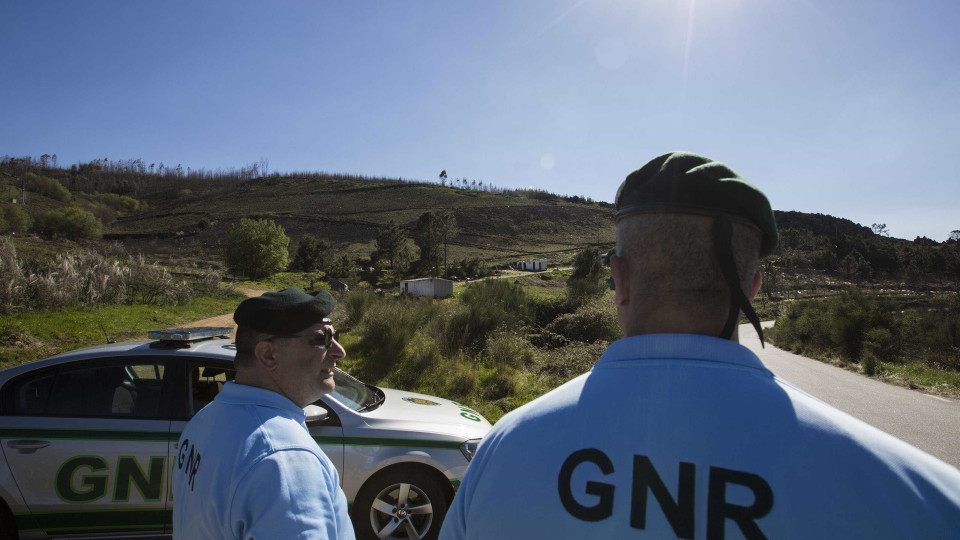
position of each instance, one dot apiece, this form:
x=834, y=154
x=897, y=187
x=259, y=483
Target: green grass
x=283, y=280
x=29, y=336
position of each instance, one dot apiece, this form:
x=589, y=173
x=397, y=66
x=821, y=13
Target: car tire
x=8, y=524
x=400, y=503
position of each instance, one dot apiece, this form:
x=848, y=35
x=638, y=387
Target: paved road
x=931, y=423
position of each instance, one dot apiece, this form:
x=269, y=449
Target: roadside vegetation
x=52, y=303
x=911, y=341
x=494, y=349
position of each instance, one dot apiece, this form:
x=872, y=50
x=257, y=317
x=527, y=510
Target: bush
x=48, y=187
x=14, y=218
x=485, y=307
x=355, y=306
x=85, y=278
x=13, y=287
x=256, y=248
x=592, y=322
x=151, y=284
x=386, y=329
x=72, y=223
x=507, y=349
x=120, y=203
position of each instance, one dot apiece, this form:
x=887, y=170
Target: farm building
x=432, y=287
x=533, y=265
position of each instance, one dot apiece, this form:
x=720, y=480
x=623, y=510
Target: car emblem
x=420, y=401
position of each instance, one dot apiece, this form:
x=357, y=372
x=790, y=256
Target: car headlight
x=469, y=448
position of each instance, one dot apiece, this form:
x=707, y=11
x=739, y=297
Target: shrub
x=151, y=284
x=508, y=349
x=120, y=203
x=385, y=330
x=71, y=222
x=485, y=307
x=15, y=218
x=355, y=306
x=48, y=187
x=85, y=278
x=12, y=283
x=592, y=322
x=256, y=248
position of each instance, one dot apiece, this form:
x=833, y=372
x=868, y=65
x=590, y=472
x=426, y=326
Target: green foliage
x=485, y=307
x=119, y=203
x=256, y=248
x=873, y=331
x=71, y=222
x=27, y=336
x=311, y=255
x=13, y=218
x=48, y=187
x=434, y=230
x=391, y=244
x=593, y=322
x=586, y=282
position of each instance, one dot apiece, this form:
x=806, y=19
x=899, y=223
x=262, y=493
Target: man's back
x=689, y=436
x=247, y=468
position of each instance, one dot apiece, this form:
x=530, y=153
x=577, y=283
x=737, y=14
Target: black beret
x=284, y=312
x=685, y=183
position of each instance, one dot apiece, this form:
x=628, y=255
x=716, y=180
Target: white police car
x=89, y=439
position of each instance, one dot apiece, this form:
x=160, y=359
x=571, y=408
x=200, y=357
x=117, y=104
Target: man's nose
x=336, y=350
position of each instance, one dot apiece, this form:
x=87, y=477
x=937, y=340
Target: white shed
x=533, y=265
x=432, y=287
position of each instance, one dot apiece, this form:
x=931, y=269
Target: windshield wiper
x=378, y=398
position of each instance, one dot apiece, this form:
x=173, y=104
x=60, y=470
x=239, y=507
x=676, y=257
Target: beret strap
x=722, y=232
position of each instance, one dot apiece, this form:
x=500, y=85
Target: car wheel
x=8, y=525
x=399, y=504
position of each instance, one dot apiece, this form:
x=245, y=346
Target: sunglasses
x=317, y=339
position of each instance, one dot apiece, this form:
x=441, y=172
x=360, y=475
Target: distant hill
x=185, y=218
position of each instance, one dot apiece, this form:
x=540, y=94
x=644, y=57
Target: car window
x=205, y=383
x=124, y=389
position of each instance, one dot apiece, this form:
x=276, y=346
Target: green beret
x=284, y=312
x=684, y=183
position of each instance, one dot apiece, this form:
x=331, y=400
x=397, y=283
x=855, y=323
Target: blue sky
x=844, y=108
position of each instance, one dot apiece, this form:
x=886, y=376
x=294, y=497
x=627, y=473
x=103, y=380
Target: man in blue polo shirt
x=247, y=468
x=680, y=432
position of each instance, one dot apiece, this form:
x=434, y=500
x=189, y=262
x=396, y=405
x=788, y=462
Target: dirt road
x=227, y=318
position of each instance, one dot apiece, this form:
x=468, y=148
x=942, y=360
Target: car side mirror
x=315, y=414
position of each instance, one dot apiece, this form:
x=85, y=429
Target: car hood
x=419, y=412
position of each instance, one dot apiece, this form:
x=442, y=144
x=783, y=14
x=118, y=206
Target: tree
x=586, y=280
x=391, y=243
x=434, y=230
x=443, y=177
x=256, y=248
x=311, y=254
x=880, y=229
x=955, y=235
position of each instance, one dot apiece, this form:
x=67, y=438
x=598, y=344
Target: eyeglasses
x=317, y=339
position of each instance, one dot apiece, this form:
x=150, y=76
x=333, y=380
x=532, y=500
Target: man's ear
x=264, y=352
x=620, y=271
x=757, y=282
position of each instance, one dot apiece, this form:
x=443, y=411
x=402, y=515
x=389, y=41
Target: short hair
x=673, y=262
x=246, y=342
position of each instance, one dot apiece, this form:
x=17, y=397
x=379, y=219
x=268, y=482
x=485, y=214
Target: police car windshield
x=353, y=393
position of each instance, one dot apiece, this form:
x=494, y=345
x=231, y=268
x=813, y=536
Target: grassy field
x=29, y=336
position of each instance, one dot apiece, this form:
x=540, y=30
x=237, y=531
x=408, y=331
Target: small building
x=430, y=287
x=533, y=265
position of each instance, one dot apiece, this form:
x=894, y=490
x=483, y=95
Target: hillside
x=183, y=218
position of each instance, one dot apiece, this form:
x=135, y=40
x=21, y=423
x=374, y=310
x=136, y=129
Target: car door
x=204, y=379
x=87, y=443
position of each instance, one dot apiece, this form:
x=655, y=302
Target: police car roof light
x=190, y=334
